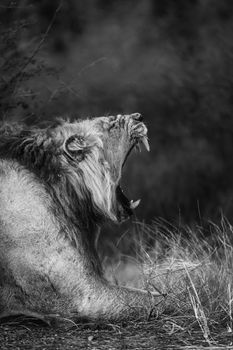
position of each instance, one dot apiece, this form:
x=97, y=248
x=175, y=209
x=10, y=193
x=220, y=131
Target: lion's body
x=40, y=269
x=29, y=242
x=48, y=263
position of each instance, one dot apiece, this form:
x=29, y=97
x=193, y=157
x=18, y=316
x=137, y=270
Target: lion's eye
x=111, y=125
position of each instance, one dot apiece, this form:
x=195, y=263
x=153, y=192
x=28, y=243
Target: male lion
x=58, y=185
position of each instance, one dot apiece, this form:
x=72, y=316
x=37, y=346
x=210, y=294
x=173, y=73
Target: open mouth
x=125, y=206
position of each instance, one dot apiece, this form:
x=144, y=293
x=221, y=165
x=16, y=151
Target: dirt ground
x=15, y=334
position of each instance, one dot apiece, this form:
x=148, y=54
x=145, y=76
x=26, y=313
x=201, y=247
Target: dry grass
x=194, y=269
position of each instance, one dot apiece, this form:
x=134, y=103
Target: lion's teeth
x=135, y=204
x=137, y=147
x=145, y=142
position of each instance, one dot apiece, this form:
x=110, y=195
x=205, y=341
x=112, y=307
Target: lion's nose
x=137, y=117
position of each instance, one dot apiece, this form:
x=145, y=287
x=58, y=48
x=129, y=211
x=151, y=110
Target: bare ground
x=154, y=334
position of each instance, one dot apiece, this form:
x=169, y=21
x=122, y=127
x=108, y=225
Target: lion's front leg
x=104, y=301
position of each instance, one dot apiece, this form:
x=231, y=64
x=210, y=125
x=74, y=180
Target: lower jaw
x=123, y=205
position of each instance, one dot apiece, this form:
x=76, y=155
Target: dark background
x=171, y=60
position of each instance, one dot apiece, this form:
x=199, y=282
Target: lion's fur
x=50, y=208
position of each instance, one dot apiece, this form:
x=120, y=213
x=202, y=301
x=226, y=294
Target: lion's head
x=83, y=160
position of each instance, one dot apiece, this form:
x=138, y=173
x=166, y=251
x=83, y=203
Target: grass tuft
x=193, y=267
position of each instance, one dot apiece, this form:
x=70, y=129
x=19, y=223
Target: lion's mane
x=83, y=193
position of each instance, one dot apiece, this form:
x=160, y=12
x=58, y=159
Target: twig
x=38, y=47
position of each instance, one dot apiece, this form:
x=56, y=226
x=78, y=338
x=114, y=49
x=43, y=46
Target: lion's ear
x=75, y=147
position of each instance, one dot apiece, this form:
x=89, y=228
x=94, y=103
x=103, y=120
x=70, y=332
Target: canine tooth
x=145, y=142
x=138, y=148
x=135, y=204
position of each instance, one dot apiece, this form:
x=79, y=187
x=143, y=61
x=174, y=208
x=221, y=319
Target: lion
x=58, y=185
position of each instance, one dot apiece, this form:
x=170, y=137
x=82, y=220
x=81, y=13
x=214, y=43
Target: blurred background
x=170, y=60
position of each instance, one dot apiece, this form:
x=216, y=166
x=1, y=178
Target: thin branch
x=38, y=47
